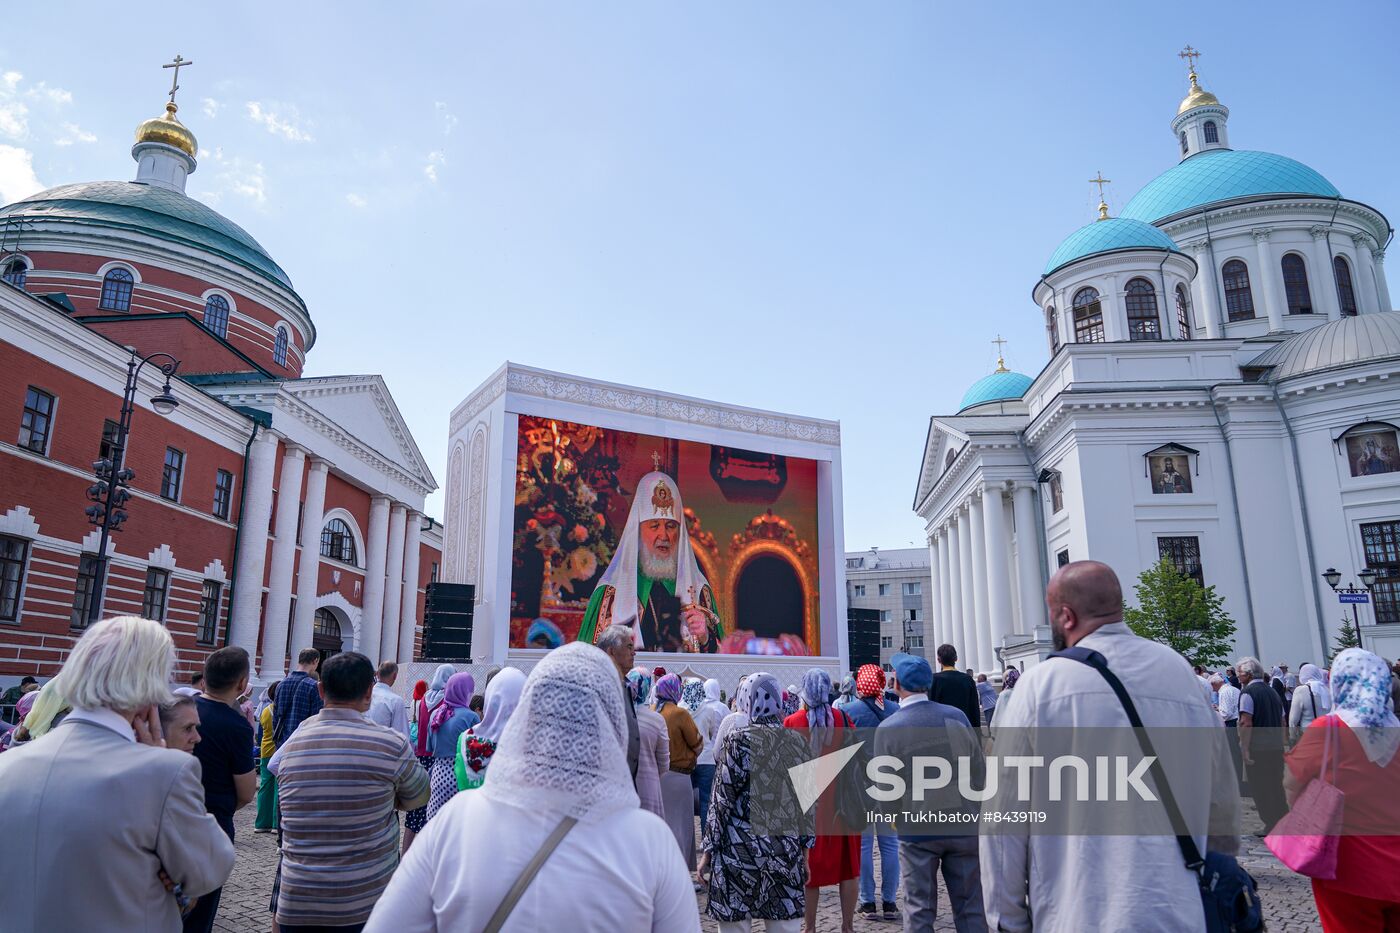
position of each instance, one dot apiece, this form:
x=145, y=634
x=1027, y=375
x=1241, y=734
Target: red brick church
x=269, y=509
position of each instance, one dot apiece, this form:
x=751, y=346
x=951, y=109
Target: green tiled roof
x=155, y=211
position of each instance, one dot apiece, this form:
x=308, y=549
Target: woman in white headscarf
x=709, y=713
x=1311, y=699
x=561, y=765
x=478, y=744
x=755, y=874
x=1354, y=749
x=743, y=696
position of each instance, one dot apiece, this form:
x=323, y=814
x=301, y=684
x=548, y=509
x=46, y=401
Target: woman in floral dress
x=752, y=875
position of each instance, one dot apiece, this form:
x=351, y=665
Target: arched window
x=116, y=290
x=1184, y=146
x=1183, y=313
x=1212, y=134
x=1239, y=300
x=279, y=347
x=15, y=272
x=338, y=543
x=948, y=460
x=1088, y=317
x=1052, y=327
x=1141, y=299
x=1295, y=284
x=1345, y=294
x=216, y=315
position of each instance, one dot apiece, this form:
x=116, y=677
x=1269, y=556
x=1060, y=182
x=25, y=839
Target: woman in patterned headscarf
x=685, y=740
x=654, y=758
x=836, y=857
x=755, y=875
x=1354, y=748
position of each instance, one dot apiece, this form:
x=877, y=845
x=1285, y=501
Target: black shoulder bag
x=1229, y=895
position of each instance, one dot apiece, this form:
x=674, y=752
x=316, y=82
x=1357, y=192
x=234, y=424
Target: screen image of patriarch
x=697, y=548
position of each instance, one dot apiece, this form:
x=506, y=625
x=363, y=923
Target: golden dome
x=169, y=130
x=1196, y=97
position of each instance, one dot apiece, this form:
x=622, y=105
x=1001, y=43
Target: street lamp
x=111, y=491
x=1352, y=594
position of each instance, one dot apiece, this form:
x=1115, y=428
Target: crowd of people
x=594, y=793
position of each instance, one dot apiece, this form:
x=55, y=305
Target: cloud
x=15, y=112
x=267, y=116
x=73, y=133
x=435, y=158
x=357, y=201
x=211, y=107
x=54, y=95
x=445, y=116
x=236, y=175
x=17, y=178
x=14, y=119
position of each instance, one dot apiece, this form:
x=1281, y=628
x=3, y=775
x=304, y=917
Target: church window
x=1183, y=313
x=1088, y=317
x=1239, y=300
x=1062, y=558
x=1212, y=134
x=1052, y=327
x=1184, y=147
x=1381, y=543
x=14, y=552
x=1184, y=553
x=338, y=543
x=279, y=348
x=1141, y=300
x=948, y=460
x=1345, y=294
x=216, y=315
x=15, y=272
x=1295, y=284
x=116, y=290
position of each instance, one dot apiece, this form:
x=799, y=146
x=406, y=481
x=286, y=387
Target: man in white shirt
x=386, y=707
x=1228, y=708
x=1073, y=883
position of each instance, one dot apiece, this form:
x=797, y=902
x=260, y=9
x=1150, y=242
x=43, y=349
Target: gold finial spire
x=1001, y=356
x=1196, y=96
x=1190, y=55
x=1099, y=180
x=177, y=64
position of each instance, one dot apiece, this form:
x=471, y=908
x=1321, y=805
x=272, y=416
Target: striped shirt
x=339, y=781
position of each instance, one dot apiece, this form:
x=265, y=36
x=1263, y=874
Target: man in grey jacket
x=100, y=807
x=616, y=642
x=925, y=727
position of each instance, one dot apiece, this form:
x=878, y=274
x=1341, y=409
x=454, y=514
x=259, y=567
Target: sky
x=822, y=208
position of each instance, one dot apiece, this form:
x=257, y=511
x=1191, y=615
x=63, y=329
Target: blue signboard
x=1353, y=598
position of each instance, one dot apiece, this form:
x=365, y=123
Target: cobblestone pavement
x=1287, y=897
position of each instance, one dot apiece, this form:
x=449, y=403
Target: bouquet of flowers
x=473, y=755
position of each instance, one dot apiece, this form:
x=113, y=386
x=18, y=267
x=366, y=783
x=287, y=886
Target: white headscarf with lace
x=564, y=751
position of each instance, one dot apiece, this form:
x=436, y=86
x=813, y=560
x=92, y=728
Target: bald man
x=1108, y=882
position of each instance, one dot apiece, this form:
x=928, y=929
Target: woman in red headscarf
x=870, y=708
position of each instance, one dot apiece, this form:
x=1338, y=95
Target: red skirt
x=835, y=858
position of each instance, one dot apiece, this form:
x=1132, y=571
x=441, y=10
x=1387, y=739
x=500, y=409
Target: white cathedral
x=1219, y=393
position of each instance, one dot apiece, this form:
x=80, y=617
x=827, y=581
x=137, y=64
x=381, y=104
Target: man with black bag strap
x=1062, y=882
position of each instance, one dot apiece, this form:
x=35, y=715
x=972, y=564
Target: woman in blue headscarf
x=835, y=859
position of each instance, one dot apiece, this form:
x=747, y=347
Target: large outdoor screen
x=696, y=547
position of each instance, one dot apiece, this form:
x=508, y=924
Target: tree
x=1183, y=615
x=1347, y=637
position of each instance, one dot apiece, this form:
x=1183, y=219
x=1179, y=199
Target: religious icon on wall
x=1371, y=452
x=1170, y=474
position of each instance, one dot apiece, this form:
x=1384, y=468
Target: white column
x=252, y=542
x=1382, y=287
x=1207, y=298
x=284, y=554
x=372, y=607
x=947, y=548
x=935, y=616
x=1269, y=278
x=393, y=583
x=1028, y=559
x=967, y=646
x=1325, y=291
x=983, y=629
x=309, y=567
x=408, y=609
x=998, y=571
x=1368, y=291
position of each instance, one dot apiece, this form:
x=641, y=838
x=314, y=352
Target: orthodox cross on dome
x=177, y=64
x=1190, y=55
x=1099, y=180
x=1001, y=356
x=655, y=461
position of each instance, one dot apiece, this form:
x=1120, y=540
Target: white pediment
x=364, y=409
